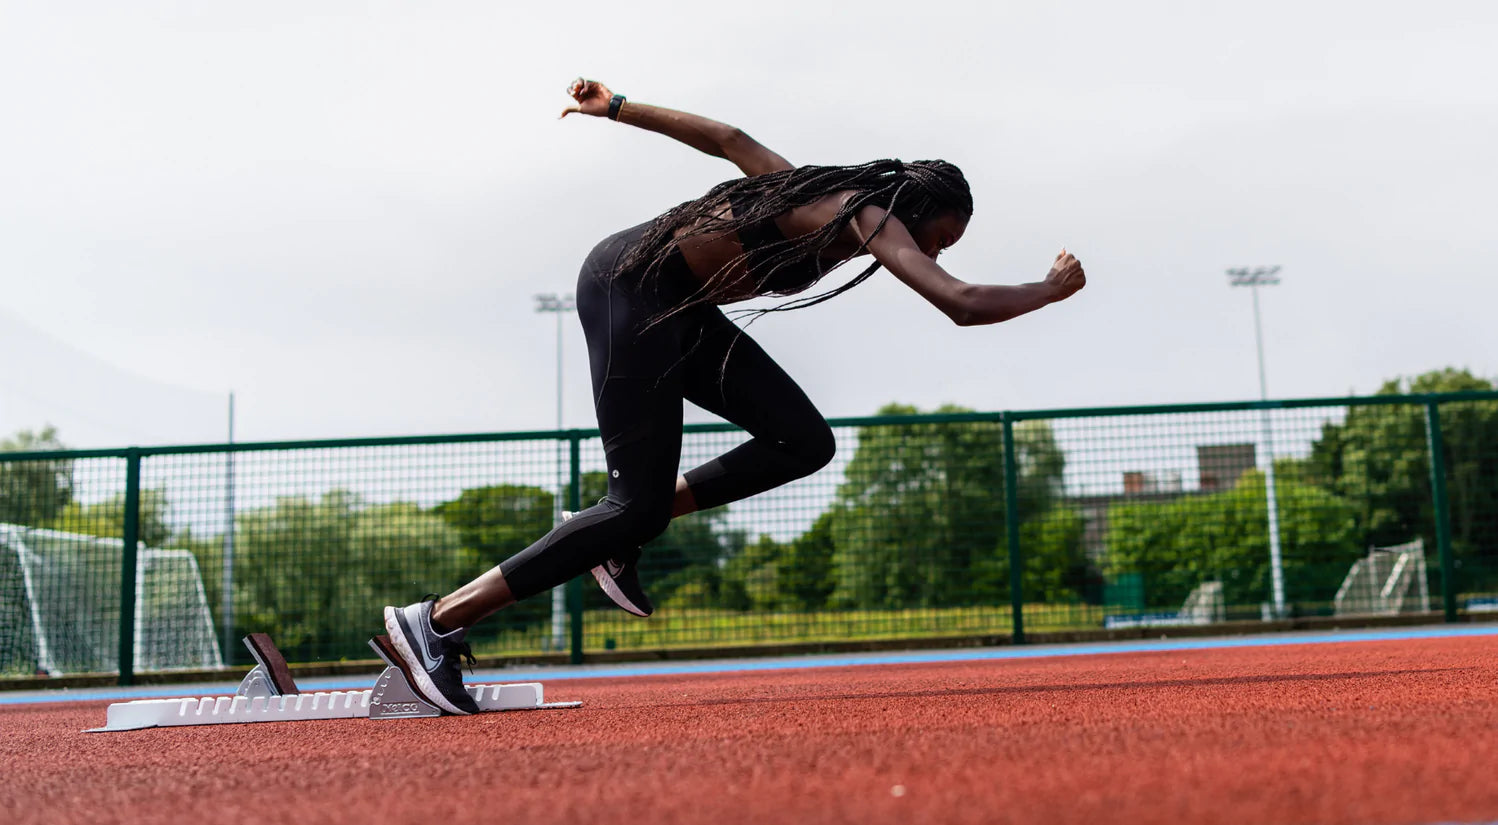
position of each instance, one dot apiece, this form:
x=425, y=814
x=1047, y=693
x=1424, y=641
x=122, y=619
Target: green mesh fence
x=1120, y=518
x=1179, y=522
x=324, y=537
x=1470, y=435
x=899, y=537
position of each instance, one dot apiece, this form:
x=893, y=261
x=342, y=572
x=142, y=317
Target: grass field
x=678, y=628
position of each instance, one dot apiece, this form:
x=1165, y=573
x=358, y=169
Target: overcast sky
x=343, y=214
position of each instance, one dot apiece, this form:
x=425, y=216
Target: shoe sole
x=610, y=589
x=423, y=681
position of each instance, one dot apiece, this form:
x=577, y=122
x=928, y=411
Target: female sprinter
x=648, y=299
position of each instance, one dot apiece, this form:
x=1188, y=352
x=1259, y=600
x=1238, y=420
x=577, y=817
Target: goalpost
x=60, y=614
x=1204, y=605
x=1388, y=581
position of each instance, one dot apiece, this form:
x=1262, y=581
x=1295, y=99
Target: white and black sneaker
x=620, y=580
x=433, y=660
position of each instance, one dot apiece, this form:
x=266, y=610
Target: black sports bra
x=759, y=240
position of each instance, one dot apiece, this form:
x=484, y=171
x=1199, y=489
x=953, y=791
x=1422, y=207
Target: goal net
x=1388, y=581
x=60, y=606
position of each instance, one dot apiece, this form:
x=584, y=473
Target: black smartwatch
x=615, y=104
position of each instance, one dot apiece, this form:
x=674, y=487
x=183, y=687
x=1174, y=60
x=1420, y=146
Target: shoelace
x=465, y=653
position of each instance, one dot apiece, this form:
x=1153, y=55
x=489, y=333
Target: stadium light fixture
x=1255, y=277
x=559, y=305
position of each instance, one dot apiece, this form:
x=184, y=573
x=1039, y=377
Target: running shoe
x=433, y=660
x=620, y=580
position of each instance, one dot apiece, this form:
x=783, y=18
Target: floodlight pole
x=226, y=587
x=558, y=305
x=1255, y=278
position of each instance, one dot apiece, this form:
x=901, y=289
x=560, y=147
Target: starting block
x=268, y=693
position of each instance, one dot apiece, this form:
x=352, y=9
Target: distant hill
x=92, y=402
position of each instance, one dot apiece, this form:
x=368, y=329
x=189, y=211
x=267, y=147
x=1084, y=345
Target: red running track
x=1368, y=732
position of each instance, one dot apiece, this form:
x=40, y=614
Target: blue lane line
x=521, y=674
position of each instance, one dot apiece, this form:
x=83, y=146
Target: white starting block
x=268, y=694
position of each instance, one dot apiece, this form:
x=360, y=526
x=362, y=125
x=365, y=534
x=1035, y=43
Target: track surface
x=1367, y=732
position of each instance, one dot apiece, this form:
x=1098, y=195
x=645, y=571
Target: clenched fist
x=1066, y=276
x=592, y=98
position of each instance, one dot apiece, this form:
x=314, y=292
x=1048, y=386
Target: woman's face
x=939, y=232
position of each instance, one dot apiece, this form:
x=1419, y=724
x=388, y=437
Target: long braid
x=909, y=191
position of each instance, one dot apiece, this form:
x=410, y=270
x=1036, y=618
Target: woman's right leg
x=641, y=424
x=638, y=398
x=632, y=514
x=637, y=391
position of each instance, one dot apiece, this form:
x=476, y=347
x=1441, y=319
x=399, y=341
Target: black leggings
x=640, y=377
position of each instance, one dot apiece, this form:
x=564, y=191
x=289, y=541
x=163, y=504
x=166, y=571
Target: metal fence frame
x=133, y=456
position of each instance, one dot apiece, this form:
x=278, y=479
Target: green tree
x=683, y=567
x=751, y=579
x=805, y=567
x=314, y=573
x=1055, y=564
x=106, y=519
x=921, y=510
x=499, y=521
x=33, y=493
x=1378, y=459
x=770, y=575
x=691, y=544
x=1177, y=545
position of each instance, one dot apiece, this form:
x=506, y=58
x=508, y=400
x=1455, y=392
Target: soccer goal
x=1388, y=581
x=1204, y=605
x=60, y=606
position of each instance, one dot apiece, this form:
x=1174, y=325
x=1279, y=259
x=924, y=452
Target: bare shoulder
x=856, y=229
x=804, y=220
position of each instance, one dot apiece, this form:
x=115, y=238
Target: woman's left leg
x=730, y=375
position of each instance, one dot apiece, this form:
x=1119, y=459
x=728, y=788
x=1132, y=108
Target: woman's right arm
x=966, y=304
x=703, y=134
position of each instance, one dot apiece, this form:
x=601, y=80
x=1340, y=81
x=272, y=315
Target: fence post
x=130, y=538
x=575, y=587
x=1442, y=513
x=1011, y=524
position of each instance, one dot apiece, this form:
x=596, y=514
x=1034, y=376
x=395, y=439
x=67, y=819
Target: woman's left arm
x=703, y=134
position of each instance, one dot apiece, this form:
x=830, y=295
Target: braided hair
x=909, y=191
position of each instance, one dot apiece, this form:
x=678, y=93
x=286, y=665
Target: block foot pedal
x=270, y=676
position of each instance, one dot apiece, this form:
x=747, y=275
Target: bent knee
x=816, y=449
x=638, y=523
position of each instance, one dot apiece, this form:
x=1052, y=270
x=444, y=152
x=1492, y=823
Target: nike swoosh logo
x=614, y=568
x=426, y=658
